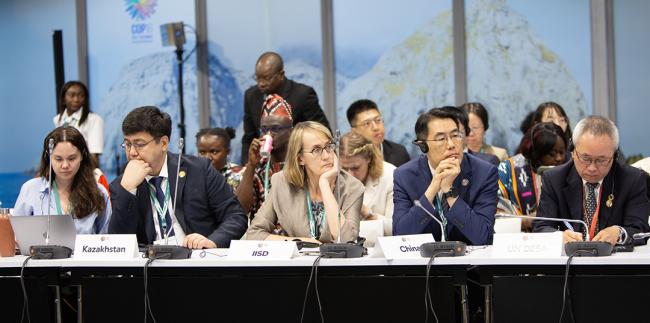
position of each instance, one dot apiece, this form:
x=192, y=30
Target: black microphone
x=166, y=251
x=47, y=251
x=441, y=248
x=577, y=248
x=338, y=249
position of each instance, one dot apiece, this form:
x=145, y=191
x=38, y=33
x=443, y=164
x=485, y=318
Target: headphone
x=422, y=145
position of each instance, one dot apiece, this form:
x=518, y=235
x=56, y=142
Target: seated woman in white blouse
x=74, y=189
x=302, y=203
x=364, y=161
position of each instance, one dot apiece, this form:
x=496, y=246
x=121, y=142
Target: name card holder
x=251, y=249
x=401, y=247
x=527, y=245
x=106, y=246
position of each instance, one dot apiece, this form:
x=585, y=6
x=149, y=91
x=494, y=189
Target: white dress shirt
x=92, y=129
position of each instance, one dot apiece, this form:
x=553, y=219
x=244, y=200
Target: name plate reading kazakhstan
x=249, y=249
x=106, y=246
x=527, y=245
x=401, y=247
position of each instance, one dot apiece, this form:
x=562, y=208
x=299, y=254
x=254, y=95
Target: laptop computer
x=31, y=231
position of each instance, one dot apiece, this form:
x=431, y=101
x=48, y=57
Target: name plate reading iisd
x=250, y=249
x=527, y=245
x=106, y=246
x=401, y=247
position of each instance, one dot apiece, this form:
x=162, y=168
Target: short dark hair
x=360, y=106
x=461, y=114
x=226, y=134
x=480, y=111
x=148, y=119
x=421, y=125
x=539, y=141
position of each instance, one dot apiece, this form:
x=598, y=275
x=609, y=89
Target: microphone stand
x=577, y=248
x=338, y=249
x=167, y=251
x=441, y=248
x=47, y=251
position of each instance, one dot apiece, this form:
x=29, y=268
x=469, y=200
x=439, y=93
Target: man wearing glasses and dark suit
x=458, y=189
x=609, y=196
x=270, y=79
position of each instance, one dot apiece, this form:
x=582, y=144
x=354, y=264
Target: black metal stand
x=181, y=124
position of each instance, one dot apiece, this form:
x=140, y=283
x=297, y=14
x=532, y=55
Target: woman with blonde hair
x=302, y=203
x=364, y=161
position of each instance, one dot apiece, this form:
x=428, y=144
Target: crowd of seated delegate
x=288, y=192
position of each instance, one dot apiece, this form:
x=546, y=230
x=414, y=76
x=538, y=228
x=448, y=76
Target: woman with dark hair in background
x=479, y=123
x=74, y=189
x=544, y=146
x=74, y=110
x=553, y=112
x=214, y=144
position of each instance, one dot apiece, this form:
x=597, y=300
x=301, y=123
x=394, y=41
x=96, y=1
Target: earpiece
x=422, y=145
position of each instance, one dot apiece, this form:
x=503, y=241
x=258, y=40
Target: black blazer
x=562, y=191
x=206, y=204
x=304, y=105
x=395, y=153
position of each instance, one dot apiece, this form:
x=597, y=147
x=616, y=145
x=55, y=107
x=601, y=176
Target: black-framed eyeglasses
x=317, y=151
x=265, y=79
x=587, y=160
x=455, y=136
x=126, y=145
x=368, y=123
x=273, y=129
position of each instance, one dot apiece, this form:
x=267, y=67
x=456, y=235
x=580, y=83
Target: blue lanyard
x=312, y=219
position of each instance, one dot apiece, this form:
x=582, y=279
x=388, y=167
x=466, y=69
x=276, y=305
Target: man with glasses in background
x=610, y=196
x=270, y=79
x=204, y=213
x=365, y=119
x=458, y=189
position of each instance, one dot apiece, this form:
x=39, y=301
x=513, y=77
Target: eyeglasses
x=126, y=145
x=317, y=151
x=440, y=139
x=587, y=160
x=367, y=123
x=265, y=79
x=273, y=129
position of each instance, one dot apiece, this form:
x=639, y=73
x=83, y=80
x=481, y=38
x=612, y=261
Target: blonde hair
x=294, y=173
x=353, y=144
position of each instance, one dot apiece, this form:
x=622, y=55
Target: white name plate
x=527, y=245
x=106, y=246
x=401, y=247
x=251, y=249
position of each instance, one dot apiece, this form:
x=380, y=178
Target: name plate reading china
x=401, y=247
x=106, y=246
x=248, y=249
x=527, y=245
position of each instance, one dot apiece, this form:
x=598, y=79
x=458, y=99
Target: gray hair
x=597, y=126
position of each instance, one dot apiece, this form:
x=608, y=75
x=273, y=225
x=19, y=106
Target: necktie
x=590, y=204
x=160, y=196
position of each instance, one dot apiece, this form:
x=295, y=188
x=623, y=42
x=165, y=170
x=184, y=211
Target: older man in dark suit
x=609, y=196
x=269, y=74
x=204, y=213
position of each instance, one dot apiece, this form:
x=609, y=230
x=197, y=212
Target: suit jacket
x=378, y=197
x=470, y=219
x=562, y=197
x=287, y=205
x=206, y=204
x=304, y=105
x=395, y=153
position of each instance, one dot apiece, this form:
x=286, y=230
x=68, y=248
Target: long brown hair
x=85, y=196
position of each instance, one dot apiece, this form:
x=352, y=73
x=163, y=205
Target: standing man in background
x=269, y=75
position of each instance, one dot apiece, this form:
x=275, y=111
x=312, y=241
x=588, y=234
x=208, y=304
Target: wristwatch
x=452, y=192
